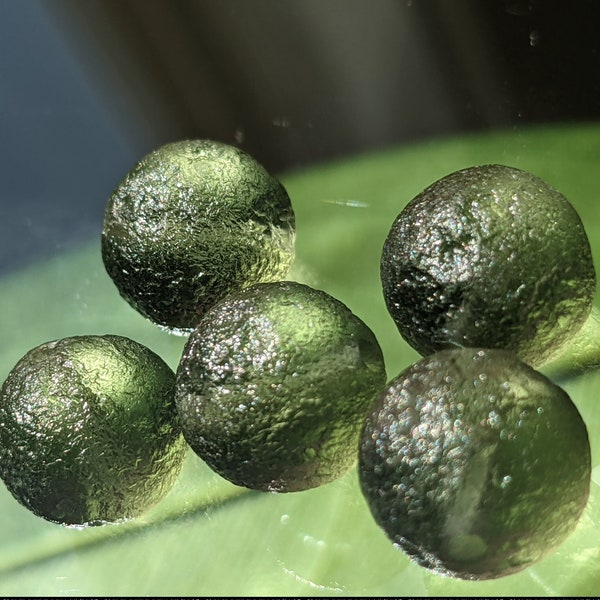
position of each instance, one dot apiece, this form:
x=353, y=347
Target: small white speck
x=239, y=136
x=349, y=203
x=312, y=584
x=281, y=121
x=534, y=38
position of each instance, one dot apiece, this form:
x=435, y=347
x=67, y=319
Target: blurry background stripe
x=88, y=87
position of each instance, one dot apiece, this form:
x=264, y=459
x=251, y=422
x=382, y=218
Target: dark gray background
x=89, y=86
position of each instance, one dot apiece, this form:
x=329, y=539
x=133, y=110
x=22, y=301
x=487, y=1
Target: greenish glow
x=459, y=466
x=89, y=433
x=190, y=223
x=274, y=385
x=322, y=541
x=489, y=256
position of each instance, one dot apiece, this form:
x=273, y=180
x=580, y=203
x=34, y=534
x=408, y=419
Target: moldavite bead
x=274, y=385
x=489, y=256
x=475, y=464
x=193, y=221
x=88, y=430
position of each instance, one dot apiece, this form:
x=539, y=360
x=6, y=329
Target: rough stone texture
x=491, y=257
x=88, y=430
x=475, y=464
x=194, y=221
x=274, y=385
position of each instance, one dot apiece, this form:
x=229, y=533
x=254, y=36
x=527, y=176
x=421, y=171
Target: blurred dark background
x=88, y=87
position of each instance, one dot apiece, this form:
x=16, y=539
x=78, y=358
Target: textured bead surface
x=475, y=464
x=274, y=385
x=192, y=222
x=88, y=430
x=491, y=257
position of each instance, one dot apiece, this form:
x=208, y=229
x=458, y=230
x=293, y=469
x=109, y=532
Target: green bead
x=88, y=430
x=192, y=222
x=491, y=257
x=274, y=385
x=475, y=464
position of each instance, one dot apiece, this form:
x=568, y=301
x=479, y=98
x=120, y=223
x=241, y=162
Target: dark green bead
x=192, y=222
x=475, y=464
x=492, y=257
x=274, y=385
x=88, y=430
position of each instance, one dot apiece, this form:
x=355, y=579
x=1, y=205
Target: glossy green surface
x=88, y=430
x=209, y=538
x=489, y=256
x=274, y=385
x=458, y=463
x=191, y=222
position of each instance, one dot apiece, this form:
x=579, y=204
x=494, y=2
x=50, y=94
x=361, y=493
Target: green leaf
x=209, y=537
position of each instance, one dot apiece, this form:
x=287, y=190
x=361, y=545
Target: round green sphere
x=274, y=385
x=192, y=222
x=88, y=430
x=475, y=464
x=492, y=257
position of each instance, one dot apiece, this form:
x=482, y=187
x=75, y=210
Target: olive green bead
x=88, y=430
x=489, y=256
x=193, y=221
x=474, y=463
x=274, y=385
